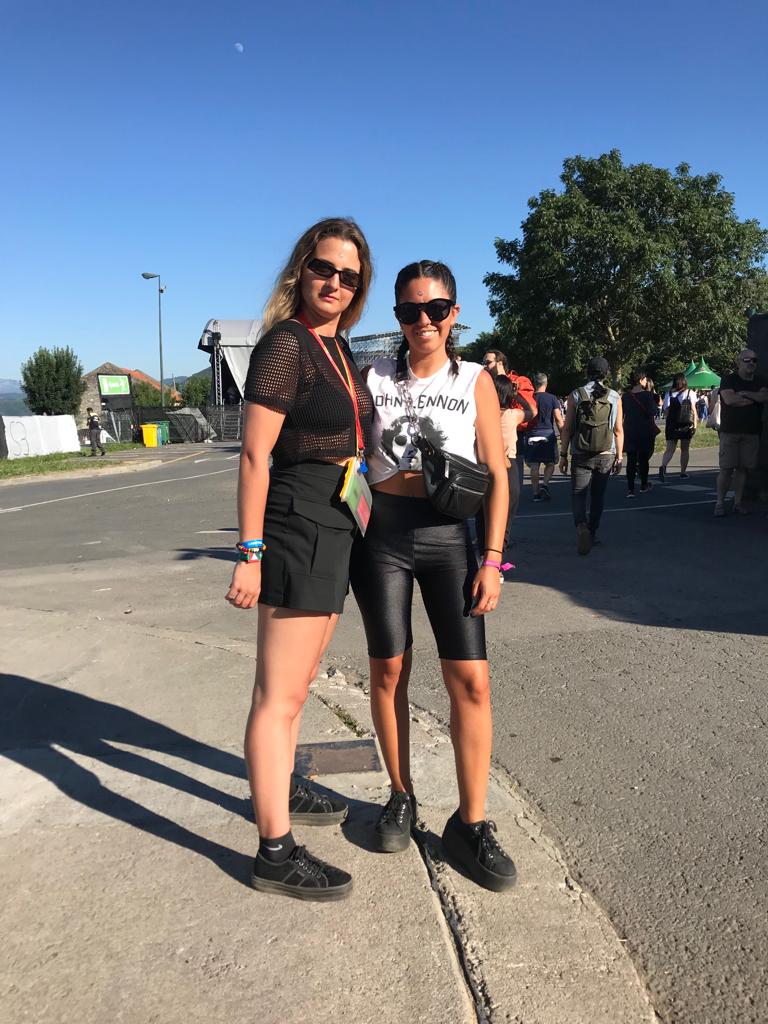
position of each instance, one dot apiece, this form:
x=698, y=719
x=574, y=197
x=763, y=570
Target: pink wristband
x=491, y=565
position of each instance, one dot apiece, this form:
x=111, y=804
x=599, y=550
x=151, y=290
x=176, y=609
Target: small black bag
x=455, y=486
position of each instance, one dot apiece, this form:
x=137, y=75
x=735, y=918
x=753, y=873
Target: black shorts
x=408, y=540
x=308, y=531
x=540, y=450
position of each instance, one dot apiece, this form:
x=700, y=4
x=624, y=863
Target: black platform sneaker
x=301, y=876
x=478, y=852
x=393, y=829
x=308, y=807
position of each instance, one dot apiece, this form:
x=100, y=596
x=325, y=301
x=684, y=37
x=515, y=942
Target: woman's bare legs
x=296, y=725
x=468, y=686
x=668, y=453
x=685, y=449
x=391, y=716
x=289, y=646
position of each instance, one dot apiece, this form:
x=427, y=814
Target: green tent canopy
x=698, y=375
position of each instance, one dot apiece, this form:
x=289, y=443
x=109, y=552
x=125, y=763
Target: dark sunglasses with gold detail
x=326, y=270
x=436, y=309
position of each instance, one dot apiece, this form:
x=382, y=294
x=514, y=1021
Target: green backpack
x=593, y=432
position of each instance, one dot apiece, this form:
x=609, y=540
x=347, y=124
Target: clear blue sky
x=138, y=137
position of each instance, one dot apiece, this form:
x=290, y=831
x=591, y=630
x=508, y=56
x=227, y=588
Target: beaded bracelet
x=250, y=554
x=491, y=564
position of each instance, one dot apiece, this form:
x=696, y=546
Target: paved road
x=629, y=687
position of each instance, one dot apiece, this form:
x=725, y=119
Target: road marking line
x=126, y=487
x=179, y=458
x=200, y=460
x=87, y=543
x=633, y=508
x=229, y=529
x=230, y=457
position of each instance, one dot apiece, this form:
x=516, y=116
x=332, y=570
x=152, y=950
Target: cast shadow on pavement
x=664, y=560
x=192, y=554
x=38, y=719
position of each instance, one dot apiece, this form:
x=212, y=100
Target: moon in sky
x=239, y=47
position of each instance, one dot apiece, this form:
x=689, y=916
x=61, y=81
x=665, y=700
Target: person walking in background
x=594, y=431
x=307, y=405
x=93, y=424
x=495, y=362
x=540, y=439
x=640, y=430
x=680, y=424
x=743, y=396
x=425, y=393
x=510, y=420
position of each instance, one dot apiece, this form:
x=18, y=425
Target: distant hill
x=10, y=387
x=12, y=405
x=180, y=379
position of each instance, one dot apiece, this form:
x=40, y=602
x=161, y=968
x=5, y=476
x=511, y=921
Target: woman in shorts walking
x=307, y=406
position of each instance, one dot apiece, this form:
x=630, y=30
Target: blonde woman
x=307, y=406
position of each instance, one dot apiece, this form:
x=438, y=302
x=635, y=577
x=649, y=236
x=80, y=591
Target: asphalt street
x=629, y=686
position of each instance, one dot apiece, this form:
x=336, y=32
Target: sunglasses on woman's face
x=326, y=270
x=436, y=309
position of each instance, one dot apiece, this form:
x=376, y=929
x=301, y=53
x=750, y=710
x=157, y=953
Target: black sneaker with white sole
x=393, y=829
x=302, y=877
x=308, y=807
x=476, y=850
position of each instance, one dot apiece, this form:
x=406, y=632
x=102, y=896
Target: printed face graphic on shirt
x=397, y=441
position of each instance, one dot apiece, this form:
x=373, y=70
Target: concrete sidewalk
x=126, y=842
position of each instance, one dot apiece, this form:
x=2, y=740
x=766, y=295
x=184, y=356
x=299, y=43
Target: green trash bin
x=163, y=431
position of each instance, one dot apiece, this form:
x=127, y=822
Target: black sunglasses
x=326, y=270
x=436, y=309
x=748, y=359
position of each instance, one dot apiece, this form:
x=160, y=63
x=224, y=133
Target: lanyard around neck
x=345, y=378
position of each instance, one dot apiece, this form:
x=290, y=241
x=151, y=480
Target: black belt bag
x=455, y=486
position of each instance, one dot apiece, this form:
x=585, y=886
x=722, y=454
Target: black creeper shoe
x=478, y=852
x=393, y=829
x=301, y=876
x=308, y=807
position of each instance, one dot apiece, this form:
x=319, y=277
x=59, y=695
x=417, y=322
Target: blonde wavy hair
x=285, y=300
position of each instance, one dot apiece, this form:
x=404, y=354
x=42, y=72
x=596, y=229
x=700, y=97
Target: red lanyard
x=349, y=386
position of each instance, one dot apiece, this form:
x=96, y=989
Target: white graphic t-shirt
x=445, y=410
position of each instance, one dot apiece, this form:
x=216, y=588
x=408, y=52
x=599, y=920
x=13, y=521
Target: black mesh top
x=290, y=373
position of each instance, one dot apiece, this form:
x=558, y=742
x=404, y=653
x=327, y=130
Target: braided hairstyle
x=439, y=272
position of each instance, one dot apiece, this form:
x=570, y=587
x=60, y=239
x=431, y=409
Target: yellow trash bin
x=149, y=435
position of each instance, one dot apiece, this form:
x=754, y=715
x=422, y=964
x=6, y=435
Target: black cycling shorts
x=408, y=540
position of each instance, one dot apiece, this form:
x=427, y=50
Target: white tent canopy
x=230, y=343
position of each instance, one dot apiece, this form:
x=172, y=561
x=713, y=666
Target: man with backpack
x=680, y=424
x=94, y=432
x=594, y=431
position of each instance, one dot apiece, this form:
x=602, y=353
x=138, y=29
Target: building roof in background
x=146, y=379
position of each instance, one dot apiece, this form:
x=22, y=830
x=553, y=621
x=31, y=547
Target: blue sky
x=137, y=137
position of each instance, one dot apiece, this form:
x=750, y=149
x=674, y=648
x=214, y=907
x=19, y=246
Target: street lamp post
x=160, y=290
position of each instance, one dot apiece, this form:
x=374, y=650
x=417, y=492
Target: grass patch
x=33, y=465
x=703, y=438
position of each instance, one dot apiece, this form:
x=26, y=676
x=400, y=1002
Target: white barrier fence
x=39, y=435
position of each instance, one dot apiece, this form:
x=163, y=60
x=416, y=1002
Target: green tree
x=636, y=263
x=52, y=381
x=145, y=394
x=196, y=390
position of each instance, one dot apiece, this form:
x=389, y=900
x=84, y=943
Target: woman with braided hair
x=426, y=392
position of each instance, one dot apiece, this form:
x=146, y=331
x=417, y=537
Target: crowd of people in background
x=631, y=424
